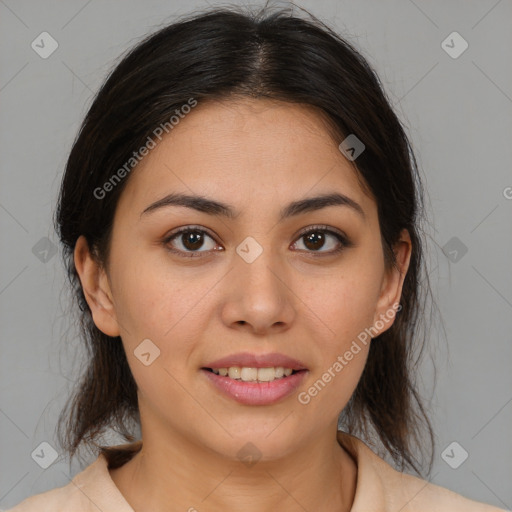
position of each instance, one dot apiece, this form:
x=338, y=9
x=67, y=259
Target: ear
x=392, y=283
x=96, y=289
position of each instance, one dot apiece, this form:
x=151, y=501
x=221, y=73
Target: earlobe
x=392, y=285
x=96, y=289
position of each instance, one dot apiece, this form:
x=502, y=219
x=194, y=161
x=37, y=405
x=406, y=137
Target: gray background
x=458, y=112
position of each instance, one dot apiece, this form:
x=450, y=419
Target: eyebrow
x=216, y=208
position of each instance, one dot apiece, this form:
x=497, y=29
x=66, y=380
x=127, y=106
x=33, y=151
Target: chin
x=251, y=444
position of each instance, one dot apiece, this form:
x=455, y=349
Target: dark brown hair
x=219, y=55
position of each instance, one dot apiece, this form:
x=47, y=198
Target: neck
x=185, y=476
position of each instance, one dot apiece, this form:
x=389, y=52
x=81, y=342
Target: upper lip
x=249, y=360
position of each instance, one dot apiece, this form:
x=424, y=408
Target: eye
x=189, y=239
x=318, y=237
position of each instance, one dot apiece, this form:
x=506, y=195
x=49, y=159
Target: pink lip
x=256, y=393
x=257, y=361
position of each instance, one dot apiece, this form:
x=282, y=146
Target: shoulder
x=56, y=500
x=381, y=486
x=60, y=499
x=89, y=491
x=413, y=493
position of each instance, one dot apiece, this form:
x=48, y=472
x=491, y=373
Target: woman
x=240, y=222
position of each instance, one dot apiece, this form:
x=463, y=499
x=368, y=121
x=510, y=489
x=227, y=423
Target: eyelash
x=344, y=241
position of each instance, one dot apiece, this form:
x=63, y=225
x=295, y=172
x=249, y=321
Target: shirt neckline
x=97, y=484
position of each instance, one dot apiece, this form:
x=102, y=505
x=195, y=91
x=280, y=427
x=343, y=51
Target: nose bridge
x=258, y=265
x=259, y=295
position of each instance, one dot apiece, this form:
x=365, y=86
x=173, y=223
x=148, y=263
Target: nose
x=259, y=297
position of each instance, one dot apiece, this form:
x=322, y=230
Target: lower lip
x=256, y=393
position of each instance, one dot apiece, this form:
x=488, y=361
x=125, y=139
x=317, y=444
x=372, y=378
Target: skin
x=256, y=155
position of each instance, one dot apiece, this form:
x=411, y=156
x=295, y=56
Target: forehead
x=242, y=152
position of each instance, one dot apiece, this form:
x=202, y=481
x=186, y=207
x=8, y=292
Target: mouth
x=255, y=386
x=253, y=374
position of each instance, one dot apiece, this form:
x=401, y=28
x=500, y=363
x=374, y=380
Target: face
x=305, y=286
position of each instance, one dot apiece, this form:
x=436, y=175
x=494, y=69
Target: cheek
x=330, y=388
x=172, y=309
x=166, y=310
x=345, y=305
x=154, y=302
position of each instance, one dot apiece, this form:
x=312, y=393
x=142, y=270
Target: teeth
x=248, y=374
x=253, y=374
x=234, y=372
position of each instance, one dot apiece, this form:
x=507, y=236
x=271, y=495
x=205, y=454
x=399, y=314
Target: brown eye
x=318, y=238
x=188, y=241
x=314, y=241
x=192, y=240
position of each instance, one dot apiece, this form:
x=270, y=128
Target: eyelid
x=185, y=229
x=343, y=239
x=322, y=227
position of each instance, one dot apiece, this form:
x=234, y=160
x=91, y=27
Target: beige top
x=380, y=488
